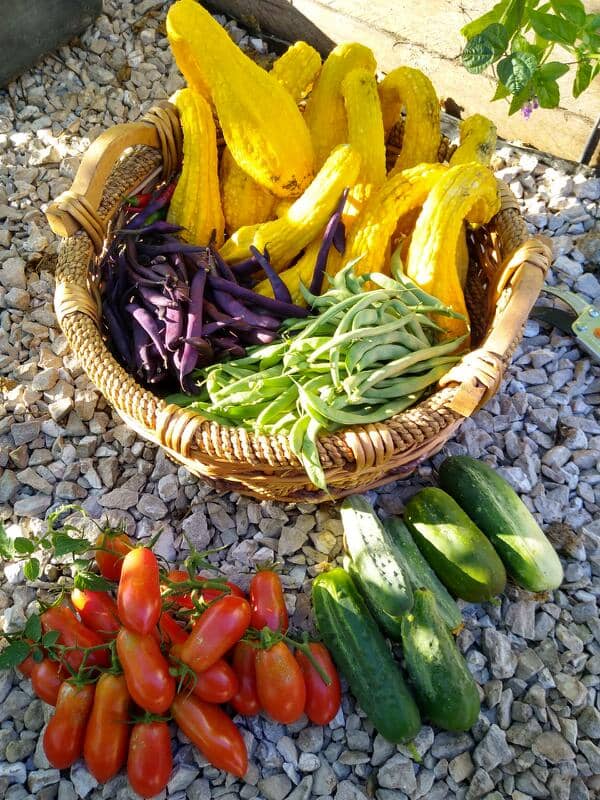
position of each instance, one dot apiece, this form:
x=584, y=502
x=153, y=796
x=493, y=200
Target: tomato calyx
x=144, y=717
x=266, y=638
x=186, y=677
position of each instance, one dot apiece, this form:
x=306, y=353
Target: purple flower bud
x=527, y=109
x=535, y=103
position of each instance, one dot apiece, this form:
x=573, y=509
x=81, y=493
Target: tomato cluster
x=170, y=645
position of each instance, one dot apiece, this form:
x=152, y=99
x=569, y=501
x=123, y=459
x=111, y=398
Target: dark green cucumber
x=388, y=624
x=420, y=574
x=507, y=522
x=377, y=564
x=445, y=690
x=361, y=652
x=460, y=554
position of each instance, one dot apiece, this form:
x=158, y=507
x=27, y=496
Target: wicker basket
x=505, y=276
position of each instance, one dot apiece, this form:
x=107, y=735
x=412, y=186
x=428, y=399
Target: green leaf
x=515, y=71
x=592, y=22
x=497, y=36
x=23, y=545
x=38, y=655
x=511, y=19
x=547, y=92
x=477, y=25
x=501, y=92
x=553, y=28
x=33, y=628
x=478, y=54
x=31, y=569
x=50, y=638
x=553, y=70
x=571, y=10
x=583, y=78
x=14, y=654
x=519, y=99
x=89, y=580
x=63, y=544
x=6, y=548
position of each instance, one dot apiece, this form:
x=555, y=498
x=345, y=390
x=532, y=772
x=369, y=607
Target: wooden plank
x=400, y=33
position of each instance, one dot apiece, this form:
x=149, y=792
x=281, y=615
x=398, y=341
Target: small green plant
x=516, y=38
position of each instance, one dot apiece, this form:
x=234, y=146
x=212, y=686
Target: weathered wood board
x=425, y=35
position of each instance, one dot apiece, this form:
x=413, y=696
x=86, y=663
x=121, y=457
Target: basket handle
x=480, y=372
x=78, y=208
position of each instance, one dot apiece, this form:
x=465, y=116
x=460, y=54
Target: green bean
x=399, y=387
x=362, y=416
x=360, y=384
x=375, y=331
x=281, y=405
x=385, y=352
x=284, y=424
x=243, y=383
x=429, y=363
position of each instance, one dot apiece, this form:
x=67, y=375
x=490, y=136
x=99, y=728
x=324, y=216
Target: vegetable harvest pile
x=130, y=644
x=310, y=237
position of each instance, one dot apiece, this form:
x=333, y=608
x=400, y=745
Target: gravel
x=536, y=658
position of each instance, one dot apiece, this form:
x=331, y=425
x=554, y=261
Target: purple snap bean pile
x=170, y=307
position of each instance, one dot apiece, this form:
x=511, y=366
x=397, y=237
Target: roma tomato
x=98, y=611
x=149, y=761
x=146, y=671
x=182, y=600
x=215, y=632
x=213, y=733
x=280, y=683
x=210, y=594
x=170, y=631
x=63, y=739
x=322, y=701
x=111, y=549
x=107, y=732
x=267, y=602
x=245, y=701
x=217, y=684
x=74, y=633
x=138, y=596
x=46, y=678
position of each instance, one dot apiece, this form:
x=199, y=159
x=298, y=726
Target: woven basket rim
x=356, y=458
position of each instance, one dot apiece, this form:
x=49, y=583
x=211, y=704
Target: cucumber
x=388, y=624
x=361, y=652
x=445, y=690
x=420, y=574
x=500, y=513
x=460, y=554
x=377, y=564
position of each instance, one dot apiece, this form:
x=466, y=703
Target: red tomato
x=146, y=671
x=280, y=683
x=110, y=558
x=74, y=633
x=98, y=611
x=107, y=732
x=46, y=678
x=182, y=600
x=208, y=594
x=170, y=630
x=149, y=761
x=268, y=602
x=138, y=596
x=63, y=739
x=26, y=666
x=213, y=733
x=245, y=701
x=322, y=701
x=215, y=632
x=217, y=684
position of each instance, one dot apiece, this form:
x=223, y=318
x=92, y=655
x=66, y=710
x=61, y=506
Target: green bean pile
x=366, y=356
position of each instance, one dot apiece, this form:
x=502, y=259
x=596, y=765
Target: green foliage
x=516, y=39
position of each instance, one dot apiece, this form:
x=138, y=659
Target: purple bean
x=174, y=327
x=222, y=267
x=149, y=323
x=167, y=248
x=179, y=265
x=189, y=354
x=316, y=283
x=143, y=351
x=339, y=238
x=156, y=204
x=275, y=307
x=160, y=226
x=280, y=290
x=232, y=306
x=245, y=268
x=230, y=346
x=153, y=298
x=258, y=336
x=120, y=337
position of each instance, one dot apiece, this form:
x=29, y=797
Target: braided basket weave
x=505, y=276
